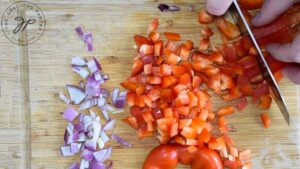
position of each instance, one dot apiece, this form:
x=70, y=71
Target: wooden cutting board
x=31, y=76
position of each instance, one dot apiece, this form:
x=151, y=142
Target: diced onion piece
x=94, y=65
x=87, y=155
x=80, y=71
x=114, y=95
x=66, y=151
x=120, y=141
x=92, y=86
x=76, y=94
x=79, y=31
x=63, y=98
x=104, y=137
x=98, y=165
x=88, y=104
x=103, y=154
x=109, y=125
x=78, y=61
x=70, y=114
x=74, y=166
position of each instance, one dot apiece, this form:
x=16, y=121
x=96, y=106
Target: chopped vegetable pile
x=85, y=133
x=168, y=88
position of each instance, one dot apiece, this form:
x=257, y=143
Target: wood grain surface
x=31, y=77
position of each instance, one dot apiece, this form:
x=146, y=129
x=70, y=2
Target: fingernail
x=256, y=18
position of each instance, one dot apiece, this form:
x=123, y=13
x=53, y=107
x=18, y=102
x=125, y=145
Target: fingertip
x=217, y=7
x=292, y=73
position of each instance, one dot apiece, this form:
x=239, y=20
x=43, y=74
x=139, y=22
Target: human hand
x=218, y=7
x=289, y=52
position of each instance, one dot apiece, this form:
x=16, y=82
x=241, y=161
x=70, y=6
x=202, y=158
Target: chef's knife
x=237, y=16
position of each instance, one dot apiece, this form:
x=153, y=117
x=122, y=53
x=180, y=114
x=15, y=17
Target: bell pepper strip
x=168, y=156
x=265, y=120
x=227, y=28
x=172, y=36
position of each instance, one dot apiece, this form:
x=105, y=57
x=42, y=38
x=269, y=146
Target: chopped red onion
x=92, y=86
x=93, y=114
x=78, y=126
x=70, y=114
x=105, y=77
x=94, y=65
x=76, y=94
x=97, y=165
x=98, y=76
x=120, y=102
x=114, y=95
x=75, y=135
x=104, y=92
x=78, y=61
x=87, y=155
x=88, y=104
x=79, y=31
x=109, y=165
x=84, y=164
x=109, y=125
x=104, y=137
x=107, y=107
x=80, y=71
x=74, y=148
x=105, y=114
x=74, y=166
x=81, y=137
x=120, y=141
x=66, y=151
x=89, y=41
x=63, y=98
x=101, y=101
x=100, y=143
x=81, y=85
x=103, y=154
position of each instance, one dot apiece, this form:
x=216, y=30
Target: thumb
x=289, y=52
x=270, y=10
x=218, y=7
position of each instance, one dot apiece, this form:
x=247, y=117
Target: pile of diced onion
x=84, y=134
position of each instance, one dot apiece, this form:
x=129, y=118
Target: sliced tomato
x=172, y=36
x=204, y=17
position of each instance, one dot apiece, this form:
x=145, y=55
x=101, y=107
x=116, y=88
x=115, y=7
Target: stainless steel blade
x=238, y=17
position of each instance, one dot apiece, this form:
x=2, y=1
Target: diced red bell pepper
x=172, y=59
x=204, y=17
x=147, y=49
x=166, y=69
x=154, y=36
x=265, y=101
x=154, y=80
x=168, y=81
x=242, y=104
x=158, y=46
x=225, y=111
x=172, y=36
x=153, y=26
x=153, y=94
x=137, y=67
x=204, y=44
x=131, y=121
x=141, y=40
x=229, y=29
x=167, y=95
x=206, y=32
x=265, y=120
x=189, y=44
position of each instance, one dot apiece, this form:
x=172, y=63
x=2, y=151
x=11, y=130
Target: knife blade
x=237, y=16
